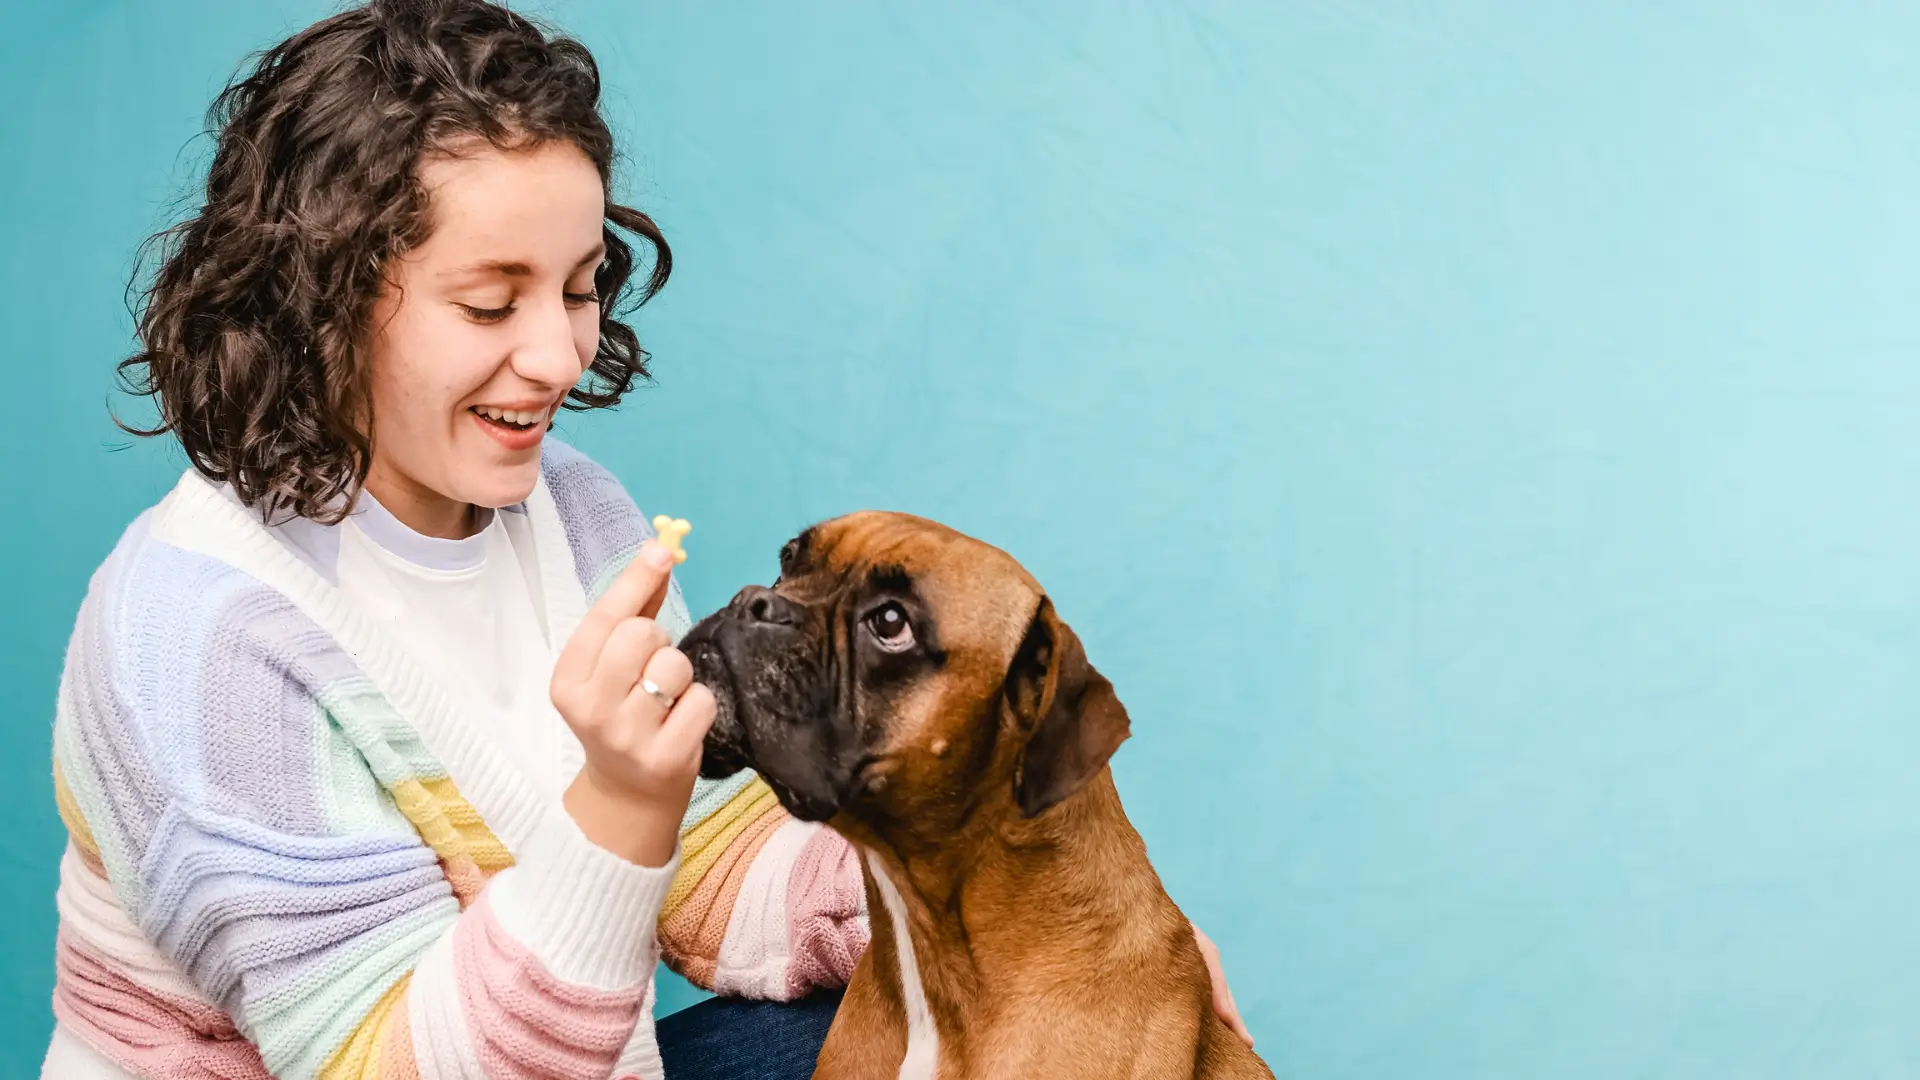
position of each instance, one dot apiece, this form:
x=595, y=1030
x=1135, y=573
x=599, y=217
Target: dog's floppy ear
x=1073, y=719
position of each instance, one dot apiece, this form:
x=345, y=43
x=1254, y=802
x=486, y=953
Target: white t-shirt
x=472, y=613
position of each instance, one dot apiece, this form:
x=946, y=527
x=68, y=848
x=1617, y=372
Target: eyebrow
x=890, y=578
x=515, y=268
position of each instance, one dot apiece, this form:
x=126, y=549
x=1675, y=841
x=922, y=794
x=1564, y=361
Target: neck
x=421, y=508
x=977, y=907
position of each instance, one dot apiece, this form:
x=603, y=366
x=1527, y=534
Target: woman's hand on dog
x=1222, y=996
x=641, y=755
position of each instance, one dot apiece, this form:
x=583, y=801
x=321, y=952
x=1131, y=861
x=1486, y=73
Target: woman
x=374, y=752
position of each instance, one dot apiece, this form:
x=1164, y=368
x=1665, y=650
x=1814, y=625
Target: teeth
x=518, y=417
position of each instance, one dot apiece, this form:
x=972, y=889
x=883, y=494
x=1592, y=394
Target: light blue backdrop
x=1478, y=439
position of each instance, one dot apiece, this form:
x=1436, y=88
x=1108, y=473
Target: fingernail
x=657, y=555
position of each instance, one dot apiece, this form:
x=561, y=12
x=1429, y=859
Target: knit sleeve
x=764, y=905
x=208, y=774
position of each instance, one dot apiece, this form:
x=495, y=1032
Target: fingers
x=629, y=649
x=671, y=671
x=685, y=729
x=681, y=730
x=1223, y=1002
x=1235, y=1021
x=642, y=586
x=639, y=590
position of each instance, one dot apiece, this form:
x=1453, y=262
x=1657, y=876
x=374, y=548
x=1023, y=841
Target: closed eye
x=486, y=315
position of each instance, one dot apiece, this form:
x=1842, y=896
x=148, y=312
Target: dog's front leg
x=868, y=1038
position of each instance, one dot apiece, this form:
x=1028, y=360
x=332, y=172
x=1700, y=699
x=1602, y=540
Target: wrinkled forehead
x=979, y=594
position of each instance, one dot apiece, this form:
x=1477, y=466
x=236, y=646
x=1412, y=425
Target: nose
x=548, y=353
x=759, y=604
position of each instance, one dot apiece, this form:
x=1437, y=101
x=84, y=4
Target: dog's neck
x=977, y=906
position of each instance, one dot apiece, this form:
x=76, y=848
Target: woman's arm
x=763, y=906
x=221, y=761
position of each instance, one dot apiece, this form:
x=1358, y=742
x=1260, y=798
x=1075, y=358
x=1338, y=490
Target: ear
x=1074, y=720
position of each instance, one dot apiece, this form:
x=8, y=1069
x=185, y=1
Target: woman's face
x=482, y=330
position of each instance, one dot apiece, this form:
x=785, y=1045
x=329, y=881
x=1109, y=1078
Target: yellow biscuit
x=672, y=531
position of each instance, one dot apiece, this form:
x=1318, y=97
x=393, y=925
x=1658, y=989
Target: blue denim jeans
x=730, y=1039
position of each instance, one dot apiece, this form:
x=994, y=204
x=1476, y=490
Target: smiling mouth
x=512, y=419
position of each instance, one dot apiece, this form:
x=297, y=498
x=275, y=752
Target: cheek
x=394, y=378
x=426, y=363
x=586, y=334
x=907, y=718
x=940, y=752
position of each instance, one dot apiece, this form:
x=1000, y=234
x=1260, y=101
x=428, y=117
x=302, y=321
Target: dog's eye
x=891, y=629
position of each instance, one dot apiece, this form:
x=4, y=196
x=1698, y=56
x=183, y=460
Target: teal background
x=1477, y=438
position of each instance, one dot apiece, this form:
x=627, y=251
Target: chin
x=502, y=485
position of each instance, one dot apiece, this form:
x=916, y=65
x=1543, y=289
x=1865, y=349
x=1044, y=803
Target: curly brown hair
x=252, y=332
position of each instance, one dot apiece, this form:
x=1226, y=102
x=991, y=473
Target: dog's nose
x=760, y=604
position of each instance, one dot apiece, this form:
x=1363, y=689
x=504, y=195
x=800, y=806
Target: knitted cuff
x=588, y=914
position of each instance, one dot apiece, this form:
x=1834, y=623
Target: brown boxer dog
x=915, y=689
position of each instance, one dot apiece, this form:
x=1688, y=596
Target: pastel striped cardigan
x=288, y=857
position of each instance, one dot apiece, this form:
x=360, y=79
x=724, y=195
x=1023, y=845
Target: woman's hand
x=1222, y=997
x=642, y=757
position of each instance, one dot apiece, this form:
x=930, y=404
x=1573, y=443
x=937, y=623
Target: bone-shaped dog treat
x=672, y=531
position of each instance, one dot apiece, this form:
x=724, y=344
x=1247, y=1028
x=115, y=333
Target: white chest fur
x=923, y=1039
